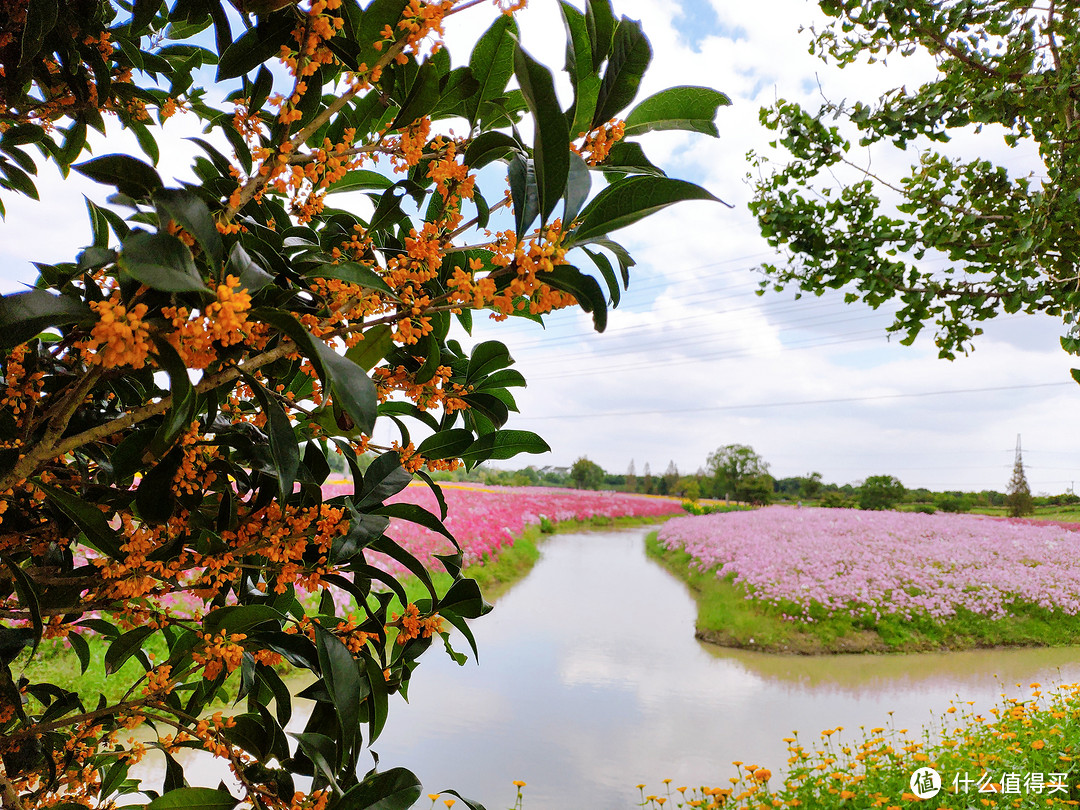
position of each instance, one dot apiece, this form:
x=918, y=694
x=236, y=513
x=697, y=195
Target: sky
x=693, y=359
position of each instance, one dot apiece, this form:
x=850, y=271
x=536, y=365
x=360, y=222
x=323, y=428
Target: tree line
x=736, y=472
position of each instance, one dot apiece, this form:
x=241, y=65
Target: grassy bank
x=59, y=664
x=1022, y=753
x=727, y=618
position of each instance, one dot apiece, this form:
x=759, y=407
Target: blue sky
x=693, y=359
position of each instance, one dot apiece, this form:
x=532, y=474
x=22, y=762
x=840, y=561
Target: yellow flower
x=519, y=783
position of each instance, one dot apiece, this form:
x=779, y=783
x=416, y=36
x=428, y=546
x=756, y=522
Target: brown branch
x=960, y=55
x=9, y=799
x=44, y=450
x=260, y=181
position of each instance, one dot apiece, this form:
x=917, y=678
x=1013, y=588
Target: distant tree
x=688, y=487
x=954, y=501
x=1018, y=497
x=810, y=485
x=757, y=489
x=631, y=478
x=586, y=474
x=647, y=483
x=880, y=492
x=731, y=466
x=671, y=478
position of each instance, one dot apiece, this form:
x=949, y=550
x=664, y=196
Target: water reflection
x=591, y=681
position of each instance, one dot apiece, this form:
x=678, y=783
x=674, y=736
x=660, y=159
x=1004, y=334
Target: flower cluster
x=487, y=519
x=121, y=334
x=815, y=562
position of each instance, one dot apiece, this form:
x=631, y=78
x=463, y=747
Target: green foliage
x=1018, y=498
x=880, y=492
x=586, y=474
x=737, y=473
x=178, y=393
x=1007, y=238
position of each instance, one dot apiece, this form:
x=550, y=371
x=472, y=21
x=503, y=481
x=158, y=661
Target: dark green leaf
x=252, y=277
x=99, y=535
x=25, y=314
x=485, y=358
x=283, y=447
x=239, y=618
x=684, y=107
x=130, y=175
x=353, y=390
x=12, y=642
x=256, y=46
x=188, y=210
x=578, y=184
x=28, y=598
x=579, y=64
x=504, y=444
x=82, y=650
x=359, y=179
x=625, y=202
x=627, y=157
x=608, y=272
x=155, y=498
x=384, y=477
x=143, y=14
x=551, y=134
x=376, y=343
x=413, y=514
x=182, y=409
x=488, y=147
x=41, y=17
x=322, y=752
x=129, y=644
x=395, y=789
x=342, y=678
x=193, y=798
x=445, y=444
x=630, y=57
x=465, y=600
x=523, y=193
x=584, y=288
x=600, y=23
x=160, y=261
x=422, y=98
x=492, y=64
x=352, y=272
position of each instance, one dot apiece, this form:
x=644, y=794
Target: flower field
x=820, y=563
x=486, y=519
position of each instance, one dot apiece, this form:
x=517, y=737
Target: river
x=591, y=681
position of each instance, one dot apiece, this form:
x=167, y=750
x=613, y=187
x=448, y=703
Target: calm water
x=591, y=681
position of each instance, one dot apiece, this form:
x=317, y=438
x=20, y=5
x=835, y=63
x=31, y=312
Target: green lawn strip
x=727, y=618
x=58, y=664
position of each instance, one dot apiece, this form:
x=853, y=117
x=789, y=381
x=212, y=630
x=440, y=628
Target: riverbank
x=728, y=619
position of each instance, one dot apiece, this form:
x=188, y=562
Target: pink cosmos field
x=486, y=519
x=846, y=561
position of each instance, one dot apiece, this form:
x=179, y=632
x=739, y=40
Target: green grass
x=57, y=664
x=726, y=617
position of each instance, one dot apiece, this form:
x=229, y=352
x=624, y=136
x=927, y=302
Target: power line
x=794, y=403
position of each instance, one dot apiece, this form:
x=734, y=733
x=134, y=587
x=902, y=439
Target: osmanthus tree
x=171, y=396
x=954, y=240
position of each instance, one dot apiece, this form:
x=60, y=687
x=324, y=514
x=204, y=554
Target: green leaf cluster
x=175, y=394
